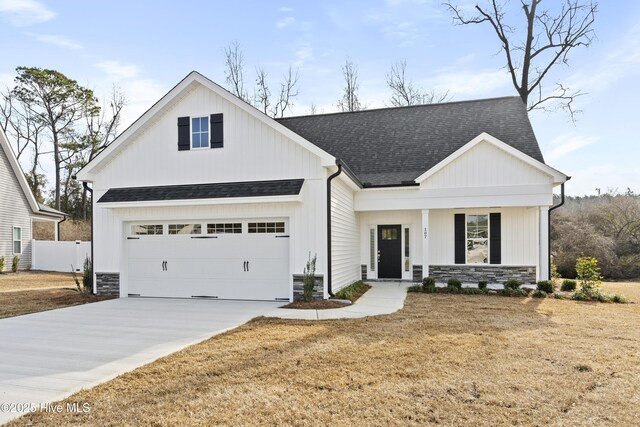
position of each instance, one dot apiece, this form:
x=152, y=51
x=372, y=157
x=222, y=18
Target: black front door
x=389, y=252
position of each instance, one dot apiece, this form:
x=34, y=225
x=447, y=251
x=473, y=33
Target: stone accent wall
x=298, y=287
x=108, y=284
x=417, y=273
x=363, y=269
x=490, y=273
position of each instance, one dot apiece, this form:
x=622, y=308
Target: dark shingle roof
x=390, y=145
x=204, y=191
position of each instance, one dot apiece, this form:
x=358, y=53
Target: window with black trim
x=199, y=132
x=266, y=227
x=185, y=229
x=146, y=229
x=225, y=228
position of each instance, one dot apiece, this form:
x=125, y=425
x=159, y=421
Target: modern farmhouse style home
x=205, y=196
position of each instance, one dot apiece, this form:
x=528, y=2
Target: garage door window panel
x=266, y=227
x=185, y=229
x=225, y=228
x=147, y=229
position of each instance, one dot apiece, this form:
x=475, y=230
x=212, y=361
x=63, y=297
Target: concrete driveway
x=45, y=357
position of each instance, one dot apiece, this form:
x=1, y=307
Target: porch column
x=543, y=261
x=424, y=233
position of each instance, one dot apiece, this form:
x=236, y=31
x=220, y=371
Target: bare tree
x=404, y=92
x=234, y=70
x=549, y=37
x=263, y=98
x=349, y=100
x=313, y=109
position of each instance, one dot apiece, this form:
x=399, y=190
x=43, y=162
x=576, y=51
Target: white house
x=18, y=209
x=205, y=196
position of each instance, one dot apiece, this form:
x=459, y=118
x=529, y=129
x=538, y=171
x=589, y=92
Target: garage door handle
x=244, y=265
x=247, y=265
x=204, y=237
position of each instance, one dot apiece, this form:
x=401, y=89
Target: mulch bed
x=327, y=303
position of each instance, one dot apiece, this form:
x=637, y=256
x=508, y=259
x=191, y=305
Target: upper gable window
x=199, y=132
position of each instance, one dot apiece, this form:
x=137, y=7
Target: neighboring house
x=18, y=209
x=205, y=196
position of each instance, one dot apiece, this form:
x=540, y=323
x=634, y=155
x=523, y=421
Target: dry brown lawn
x=443, y=359
x=35, y=280
x=17, y=303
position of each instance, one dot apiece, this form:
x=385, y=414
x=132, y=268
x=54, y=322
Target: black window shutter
x=184, y=134
x=217, y=131
x=460, y=239
x=495, y=239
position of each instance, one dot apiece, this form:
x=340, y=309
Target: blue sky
x=147, y=47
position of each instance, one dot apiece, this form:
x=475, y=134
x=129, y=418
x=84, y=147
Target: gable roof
x=216, y=190
x=36, y=207
x=390, y=145
x=173, y=96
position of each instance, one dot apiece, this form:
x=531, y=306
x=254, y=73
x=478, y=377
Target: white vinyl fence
x=59, y=256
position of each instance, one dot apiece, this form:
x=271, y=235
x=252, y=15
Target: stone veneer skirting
x=417, y=273
x=108, y=284
x=490, y=273
x=298, y=287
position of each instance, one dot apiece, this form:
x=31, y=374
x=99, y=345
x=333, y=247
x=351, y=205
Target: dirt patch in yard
x=34, y=280
x=443, y=359
x=24, y=302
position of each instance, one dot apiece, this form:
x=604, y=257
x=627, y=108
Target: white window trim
x=191, y=147
x=13, y=240
x=466, y=251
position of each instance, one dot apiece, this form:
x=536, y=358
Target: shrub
x=546, y=286
x=482, y=284
x=414, y=288
x=618, y=298
x=568, y=285
x=309, y=278
x=578, y=296
x=429, y=284
x=539, y=293
x=511, y=292
x=1, y=264
x=473, y=291
x=454, y=285
x=588, y=274
x=556, y=295
x=512, y=284
x=14, y=263
x=350, y=291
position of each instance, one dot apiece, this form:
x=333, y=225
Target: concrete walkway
x=47, y=356
x=382, y=298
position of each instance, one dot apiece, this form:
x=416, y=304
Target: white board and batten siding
x=345, y=239
x=252, y=151
x=15, y=211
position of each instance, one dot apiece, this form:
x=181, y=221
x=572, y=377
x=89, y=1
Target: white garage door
x=214, y=259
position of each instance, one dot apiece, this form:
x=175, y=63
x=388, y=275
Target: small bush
x=617, y=298
x=512, y=284
x=556, y=295
x=568, y=285
x=454, y=285
x=473, y=291
x=350, y=291
x=415, y=288
x=517, y=292
x=1, y=264
x=482, y=284
x=429, y=284
x=578, y=296
x=539, y=293
x=588, y=274
x=309, y=278
x=545, y=286
x=14, y=263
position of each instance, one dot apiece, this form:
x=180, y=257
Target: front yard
x=443, y=359
x=30, y=292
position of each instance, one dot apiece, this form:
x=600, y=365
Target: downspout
x=329, y=179
x=549, y=226
x=64, y=218
x=90, y=191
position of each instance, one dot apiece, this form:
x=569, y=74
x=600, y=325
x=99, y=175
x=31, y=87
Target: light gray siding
x=14, y=212
x=345, y=241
